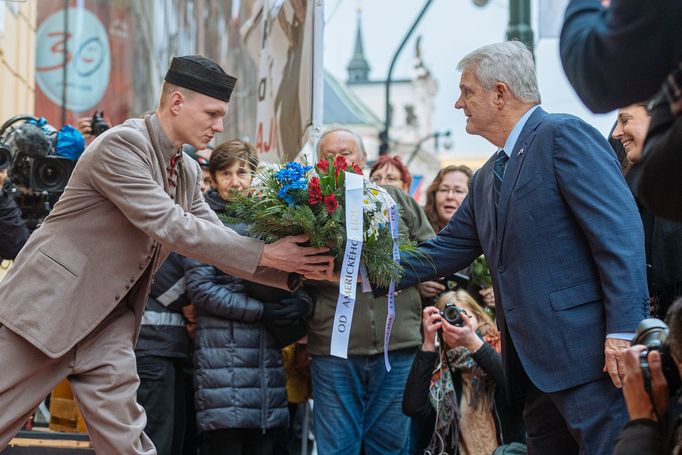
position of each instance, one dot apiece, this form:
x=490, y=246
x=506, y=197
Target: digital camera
x=453, y=314
x=653, y=333
x=97, y=124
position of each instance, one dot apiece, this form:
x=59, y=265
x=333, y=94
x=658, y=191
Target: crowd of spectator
x=208, y=361
x=215, y=376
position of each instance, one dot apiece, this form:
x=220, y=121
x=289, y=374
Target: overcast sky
x=450, y=29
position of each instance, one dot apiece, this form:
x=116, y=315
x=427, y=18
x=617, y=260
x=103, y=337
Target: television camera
x=38, y=175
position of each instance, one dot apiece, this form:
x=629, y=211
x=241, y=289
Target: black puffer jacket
x=163, y=332
x=239, y=379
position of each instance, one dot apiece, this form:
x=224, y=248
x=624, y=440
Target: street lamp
x=519, y=27
x=383, y=136
x=436, y=135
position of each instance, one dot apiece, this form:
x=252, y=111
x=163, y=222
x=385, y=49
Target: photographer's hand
x=3, y=177
x=84, y=125
x=614, y=349
x=429, y=289
x=462, y=336
x=431, y=322
x=637, y=399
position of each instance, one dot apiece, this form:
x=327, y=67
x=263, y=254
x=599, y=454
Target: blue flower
x=292, y=172
x=286, y=195
x=292, y=177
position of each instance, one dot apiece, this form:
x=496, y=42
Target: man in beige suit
x=72, y=303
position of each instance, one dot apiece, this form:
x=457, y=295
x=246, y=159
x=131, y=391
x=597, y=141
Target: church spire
x=358, y=68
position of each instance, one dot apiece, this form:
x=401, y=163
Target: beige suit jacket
x=111, y=229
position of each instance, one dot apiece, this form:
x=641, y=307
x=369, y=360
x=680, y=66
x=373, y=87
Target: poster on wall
x=84, y=60
x=279, y=36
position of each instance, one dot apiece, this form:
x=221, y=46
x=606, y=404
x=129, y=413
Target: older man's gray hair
x=334, y=129
x=509, y=62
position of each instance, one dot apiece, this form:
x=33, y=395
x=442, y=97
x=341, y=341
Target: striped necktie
x=500, y=163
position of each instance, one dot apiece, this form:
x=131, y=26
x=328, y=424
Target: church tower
x=358, y=68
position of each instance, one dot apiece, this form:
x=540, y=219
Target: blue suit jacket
x=566, y=251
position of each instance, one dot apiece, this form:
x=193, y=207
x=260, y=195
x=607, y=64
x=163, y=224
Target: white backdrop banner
x=279, y=36
x=551, y=17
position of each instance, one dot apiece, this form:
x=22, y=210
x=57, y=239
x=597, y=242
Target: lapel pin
x=520, y=152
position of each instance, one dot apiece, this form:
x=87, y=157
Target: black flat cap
x=201, y=75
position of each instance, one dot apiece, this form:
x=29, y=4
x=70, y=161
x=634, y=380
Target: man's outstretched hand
x=286, y=254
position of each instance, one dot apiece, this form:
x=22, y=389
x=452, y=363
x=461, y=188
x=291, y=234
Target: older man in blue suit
x=551, y=212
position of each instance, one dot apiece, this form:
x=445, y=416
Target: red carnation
x=323, y=165
x=314, y=191
x=357, y=169
x=340, y=163
x=330, y=203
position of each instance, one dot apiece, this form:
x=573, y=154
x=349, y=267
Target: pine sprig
x=290, y=200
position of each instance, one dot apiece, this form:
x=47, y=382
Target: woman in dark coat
x=240, y=397
x=662, y=238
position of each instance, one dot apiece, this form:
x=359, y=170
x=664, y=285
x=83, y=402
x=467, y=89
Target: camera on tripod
x=653, y=333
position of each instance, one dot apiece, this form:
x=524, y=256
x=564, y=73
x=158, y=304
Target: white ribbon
x=348, y=281
x=390, y=316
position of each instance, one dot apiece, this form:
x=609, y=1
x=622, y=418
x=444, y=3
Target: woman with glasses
x=445, y=195
x=390, y=170
x=443, y=198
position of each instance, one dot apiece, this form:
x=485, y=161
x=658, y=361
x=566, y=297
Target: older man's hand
x=430, y=289
x=614, y=350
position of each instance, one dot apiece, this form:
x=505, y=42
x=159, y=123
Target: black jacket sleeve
x=640, y=437
x=490, y=361
x=416, y=402
x=13, y=230
x=217, y=294
x=598, y=47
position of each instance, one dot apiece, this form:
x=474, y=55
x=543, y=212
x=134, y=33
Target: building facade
x=17, y=58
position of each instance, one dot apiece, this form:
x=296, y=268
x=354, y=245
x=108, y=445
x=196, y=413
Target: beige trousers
x=101, y=370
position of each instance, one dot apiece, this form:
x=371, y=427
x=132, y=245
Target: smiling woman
x=663, y=238
x=631, y=128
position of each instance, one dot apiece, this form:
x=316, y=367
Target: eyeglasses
x=444, y=190
x=385, y=178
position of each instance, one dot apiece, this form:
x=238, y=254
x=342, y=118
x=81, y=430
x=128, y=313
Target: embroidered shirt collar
x=168, y=149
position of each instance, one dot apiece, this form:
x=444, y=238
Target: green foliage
x=480, y=273
x=271, y=217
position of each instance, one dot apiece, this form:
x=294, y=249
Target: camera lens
x=5, y=157
x=652, y=333
x=453, y=315
x=51, y=173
